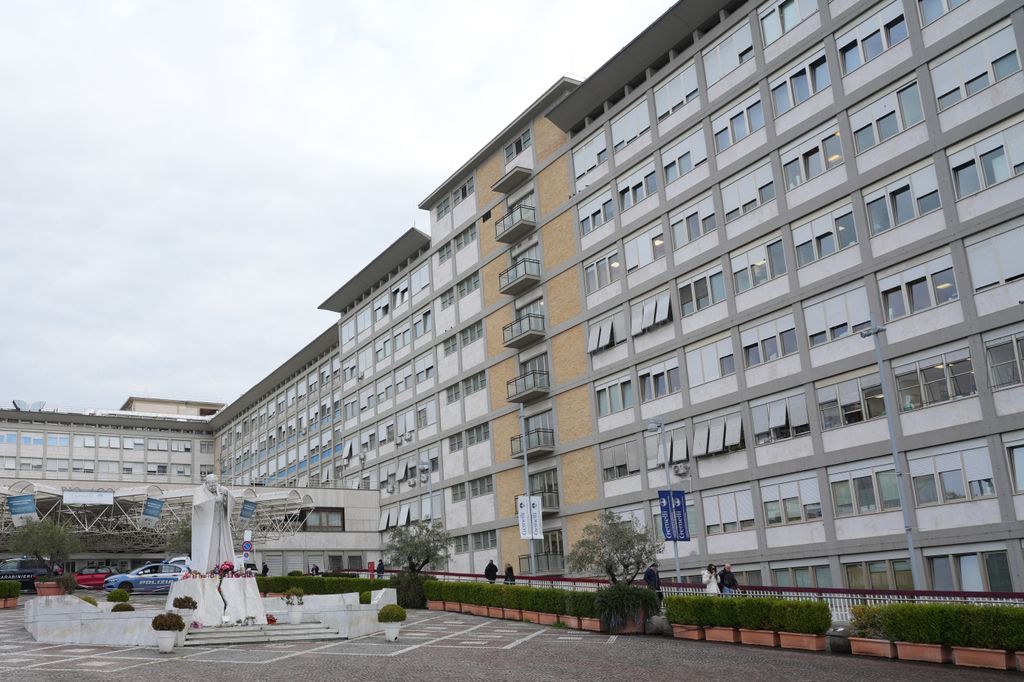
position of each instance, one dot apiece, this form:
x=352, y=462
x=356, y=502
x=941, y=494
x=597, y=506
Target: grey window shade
x=809, y=493
x=632, y=457
x=760, y=417
x=636, y=321
x=769, y=493
x=700, y=439
x=733, y=429
x=744, y=505
x=798, y=411
x=727, y=507
x=677, y=446
x=649, y=306
x=594, y=338
x=789, y=489
x=403, y=515
x=777, y=414
x=662, y=308
x=711, y=516
x=849, y=392
x=606, y=334
x=977, y=464
x=383, y=523
x=716, y=434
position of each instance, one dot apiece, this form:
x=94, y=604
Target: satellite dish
x=36, y=406
x=21, y=405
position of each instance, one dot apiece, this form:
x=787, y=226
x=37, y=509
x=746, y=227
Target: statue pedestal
x=242, y=596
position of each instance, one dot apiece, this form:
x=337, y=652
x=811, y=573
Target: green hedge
x=433, y=589
x=802, y=617
x=9, y=589
x=782, y=615
x=755, y=613
x=867, y=621
x=696, y=610
x=310, y=584
x=987, y=627
x=581, y=604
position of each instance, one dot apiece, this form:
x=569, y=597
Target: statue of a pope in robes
x=212, y=505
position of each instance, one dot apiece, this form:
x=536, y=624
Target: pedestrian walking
x=510, y=577
x=727, y=580
x=380, y=570
x=653, y=580
x=710, y=579
x=266, y=570
x=491, y=571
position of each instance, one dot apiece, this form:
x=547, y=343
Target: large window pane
x=998, y=572
x=952, y=485
x=993, y=166
x=966, y=178
x=942, y=573
x=944, y=285
x=924, y=489
x=847, y=233
x=1017, y=464
x=878, y=216
x=903, y=205
x=888, y=490
x=864, y=138
x=878, y=575
x=970, y=573
x=910, y=105
x=917, y=292
x=902, y=574
x=865, y=492
x=888, y=126
x=842, y=497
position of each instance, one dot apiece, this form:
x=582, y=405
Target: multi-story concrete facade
x=697, y=234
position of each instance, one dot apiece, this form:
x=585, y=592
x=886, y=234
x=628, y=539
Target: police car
x=26, y=570
x=148, y=578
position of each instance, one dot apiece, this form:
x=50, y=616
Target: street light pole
x=659, y=426
x=916, y=564
x=526, y=486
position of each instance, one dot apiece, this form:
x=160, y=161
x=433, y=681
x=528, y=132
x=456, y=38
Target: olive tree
x=420, y=543
x=50, y=543
x=618, y=548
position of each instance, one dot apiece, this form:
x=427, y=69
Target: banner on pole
x=22, y=508
x=151, y=510
x=528, y=510
x=248, y=509
x=674, y=524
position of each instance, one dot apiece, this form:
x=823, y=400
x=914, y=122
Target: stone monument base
x=242, y=596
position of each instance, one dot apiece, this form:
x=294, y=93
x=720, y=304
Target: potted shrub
x=9, y=592
x=186, y=608
x=584, y=607
x=118, y=596
x=391, y=617
x=433, y=590
x=167, y=626
x=722, y=621
x=801, y=624
x=550, y=604
x=293, y=599
x=917, y=630
x=623, y=608
x=452, y=597
x=122, y=607
x=757, y=625
x=51, y=544
x=689, y=615
x=867, y=639
x=495, y=597
x=571, y=618
x=980, y=636
x=512, y=602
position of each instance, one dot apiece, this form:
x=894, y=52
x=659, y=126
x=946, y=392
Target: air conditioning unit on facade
x=681, y=469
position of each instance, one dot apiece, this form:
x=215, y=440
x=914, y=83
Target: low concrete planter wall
x=69, y=620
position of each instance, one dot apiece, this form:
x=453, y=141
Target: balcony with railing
x=515, y=224
x=523, y=275
x=523, y=331
x=546, y=563
x=538, y=442
x=527, y=387
x=513, y=178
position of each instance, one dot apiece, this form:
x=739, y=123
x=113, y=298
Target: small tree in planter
x=293, y=600
x=50, y=544
x=167, y=626
x=616, y=548
x=622, y=607
x=867, y=639
x=391, y=617
x=418, y=544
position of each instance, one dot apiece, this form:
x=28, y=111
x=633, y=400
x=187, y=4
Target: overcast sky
x=181, y=184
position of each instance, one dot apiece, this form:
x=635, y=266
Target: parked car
x=148, y=578
x=26, y=571
x=92, y=577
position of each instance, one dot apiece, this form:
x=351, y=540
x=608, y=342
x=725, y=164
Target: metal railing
x=531, y=322
x=538, y=438
x=518, y=214
x=527, y=267
x=546, y=563
x=531, y=381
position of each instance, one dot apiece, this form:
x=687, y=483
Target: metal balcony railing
x=524, y=330
x=521, y=276
x=546, y=563
x=537, y=440
x=527, y=386
x=515, y=224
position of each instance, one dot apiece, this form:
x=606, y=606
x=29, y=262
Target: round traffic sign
x=246, y=546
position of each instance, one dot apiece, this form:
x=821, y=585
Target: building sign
x=248, y=509
x=151, y=509
x=22, y=508
x=674, y=524
x=98, y=497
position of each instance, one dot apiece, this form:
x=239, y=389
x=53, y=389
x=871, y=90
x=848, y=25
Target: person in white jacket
x=710, y=579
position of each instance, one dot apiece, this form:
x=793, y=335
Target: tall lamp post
x=658, y=426
x=916, y=565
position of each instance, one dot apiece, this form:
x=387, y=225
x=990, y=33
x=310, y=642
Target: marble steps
x=261, y=634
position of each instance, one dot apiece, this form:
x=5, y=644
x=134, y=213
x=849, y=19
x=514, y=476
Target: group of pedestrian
x=491, y=573
x=719, y=582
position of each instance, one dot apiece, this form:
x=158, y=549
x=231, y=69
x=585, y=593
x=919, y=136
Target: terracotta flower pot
x=691, y=632
x=435, y=605
x=453, y=606
x=929, y=653
x=474, y=609
x=864, y=646
x=591, y=624
x=512, y=614
x=547, y=618
x=632, y=626
x=796, y=640
x=48, y=589
x=759, y=637
x=720, y=634
x=531, y=616
x=572, y=622
x=970, y=657
x=1020, y=660
x=495, y=612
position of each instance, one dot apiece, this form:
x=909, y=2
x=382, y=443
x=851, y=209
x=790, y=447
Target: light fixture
x=944, y=285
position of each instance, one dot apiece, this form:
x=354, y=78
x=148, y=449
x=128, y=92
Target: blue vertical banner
x=248, y=509
x=22, y=508
x=674, y=524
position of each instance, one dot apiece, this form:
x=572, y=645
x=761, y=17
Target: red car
x=92, y=577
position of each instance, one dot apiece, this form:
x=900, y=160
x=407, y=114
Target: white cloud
x=183, y=183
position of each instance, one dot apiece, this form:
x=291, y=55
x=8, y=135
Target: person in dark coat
x=266, y=570
x=380, y=570
x=653, y=580
x=727, y=580
x=510, y=577
x=491, y=571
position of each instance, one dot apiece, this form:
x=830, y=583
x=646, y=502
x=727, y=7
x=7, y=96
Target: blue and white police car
x=148, y=578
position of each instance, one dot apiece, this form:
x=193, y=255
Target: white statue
x=212, y=505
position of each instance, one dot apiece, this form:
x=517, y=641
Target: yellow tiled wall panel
x=553, y=186
x=568, y=355
x=558, y=240
x=562, y=297
x=573, y=414
x=579, y=476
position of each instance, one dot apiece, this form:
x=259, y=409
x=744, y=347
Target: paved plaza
x=446, y=647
